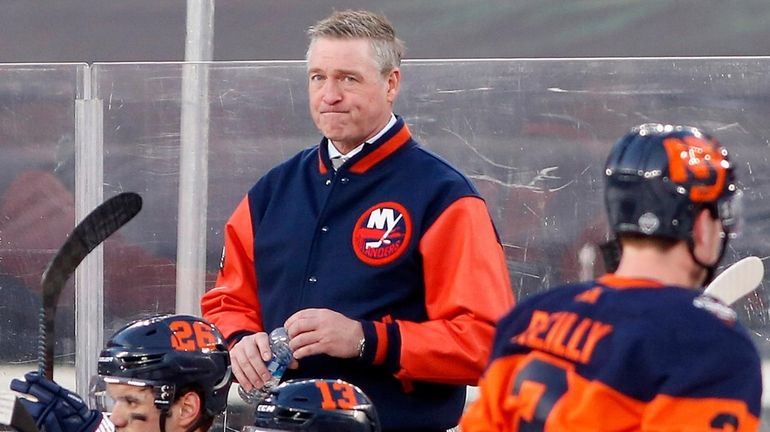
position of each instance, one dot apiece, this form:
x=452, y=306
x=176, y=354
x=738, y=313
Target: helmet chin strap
x=712, y=268
x=162, y=419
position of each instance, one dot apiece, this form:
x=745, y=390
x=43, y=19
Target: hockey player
x=316, y=405
x=640, y=349
x=167, y=373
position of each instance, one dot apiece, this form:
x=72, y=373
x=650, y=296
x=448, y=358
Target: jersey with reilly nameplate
x=619, y=354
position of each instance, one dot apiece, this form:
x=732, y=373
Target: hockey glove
x=58, y=409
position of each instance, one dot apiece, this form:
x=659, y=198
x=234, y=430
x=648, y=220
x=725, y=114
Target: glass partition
x=37, y=206
x=532, y=134
x=256, y=119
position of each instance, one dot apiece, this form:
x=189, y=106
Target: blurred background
x=524, y=96
x=143, y=30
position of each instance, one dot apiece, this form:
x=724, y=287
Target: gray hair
x=349, y=24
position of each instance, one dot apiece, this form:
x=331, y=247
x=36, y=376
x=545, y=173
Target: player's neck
x=671, y=267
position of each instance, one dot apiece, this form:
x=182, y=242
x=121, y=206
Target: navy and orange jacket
x=397, y=239
x=619, y=354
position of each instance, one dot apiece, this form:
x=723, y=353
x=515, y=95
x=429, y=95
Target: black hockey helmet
x=170, y=354
x=316, y=405
x=659, y=176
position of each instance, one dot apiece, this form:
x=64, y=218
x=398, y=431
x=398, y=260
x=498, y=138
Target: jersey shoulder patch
x=715, y=307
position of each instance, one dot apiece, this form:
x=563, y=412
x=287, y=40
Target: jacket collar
x=372, y=154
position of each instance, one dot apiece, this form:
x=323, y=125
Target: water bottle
x=282, y=357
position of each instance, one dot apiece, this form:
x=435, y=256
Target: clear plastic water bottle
x=282, y=358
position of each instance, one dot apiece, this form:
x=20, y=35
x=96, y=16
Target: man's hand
x=323, y=331
x=56, y=409
x=248, y=358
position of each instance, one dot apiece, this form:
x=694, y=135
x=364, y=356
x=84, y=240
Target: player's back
x=619, y=354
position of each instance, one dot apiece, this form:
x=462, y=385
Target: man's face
x=350, y=100
x=134, y=408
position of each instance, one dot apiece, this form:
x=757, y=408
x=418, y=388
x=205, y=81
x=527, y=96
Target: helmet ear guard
x=730, y=212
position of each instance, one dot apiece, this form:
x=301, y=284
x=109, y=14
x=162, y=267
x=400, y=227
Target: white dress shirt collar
x=335, y=154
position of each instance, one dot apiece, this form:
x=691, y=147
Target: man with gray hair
x=379, y=258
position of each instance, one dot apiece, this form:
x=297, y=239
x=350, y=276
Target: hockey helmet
x=170, y=354
x=659, y=176
x=316, y=405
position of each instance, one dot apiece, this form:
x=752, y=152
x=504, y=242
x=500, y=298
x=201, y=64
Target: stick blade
x=738, y=280
x=87, y=235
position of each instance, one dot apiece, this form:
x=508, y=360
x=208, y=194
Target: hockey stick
x=87, y=235
x=384, y=237
x=737, y=280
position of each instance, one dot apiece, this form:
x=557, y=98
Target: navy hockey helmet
x=316, y=405
x=170, y=354
x=659, y=176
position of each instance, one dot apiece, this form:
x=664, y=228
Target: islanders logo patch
x=382, y=233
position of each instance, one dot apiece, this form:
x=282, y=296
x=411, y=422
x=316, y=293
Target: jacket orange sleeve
x=232, y=305
x=467, y=288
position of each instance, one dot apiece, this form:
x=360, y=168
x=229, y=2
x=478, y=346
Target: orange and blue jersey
x=397, y=239
x=619, y=354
